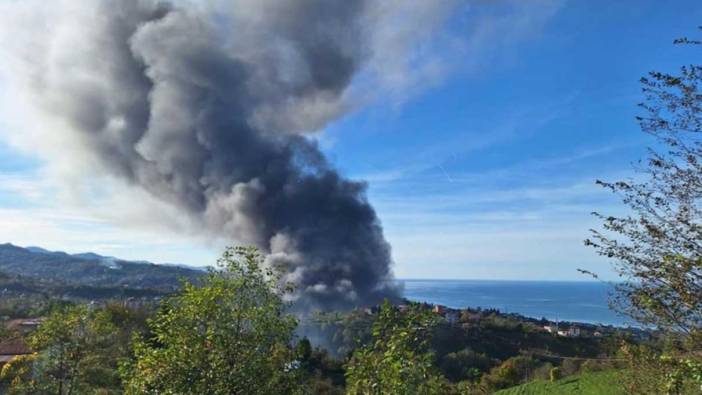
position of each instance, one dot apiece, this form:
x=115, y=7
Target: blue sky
x=487, y=172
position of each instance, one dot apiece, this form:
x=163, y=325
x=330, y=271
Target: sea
x=554, y=300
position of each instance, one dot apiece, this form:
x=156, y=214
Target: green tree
x=465, y=364
x=397, y=360
x=511, y=372
x=229, y=335
x=650, y=372
x=75, y=352
x=303, y=352
x=657, y=248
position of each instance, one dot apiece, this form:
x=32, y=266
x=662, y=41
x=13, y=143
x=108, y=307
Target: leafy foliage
x=397, y=360
x=75, y=351
x=230, y=335
x=464, y=364
x=666, y=372
x=511, y=372
x=321, y=373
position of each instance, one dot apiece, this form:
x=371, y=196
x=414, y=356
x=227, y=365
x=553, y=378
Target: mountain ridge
x=92, y=269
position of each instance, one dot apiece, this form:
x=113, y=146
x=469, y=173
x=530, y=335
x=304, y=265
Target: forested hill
x=91, y=269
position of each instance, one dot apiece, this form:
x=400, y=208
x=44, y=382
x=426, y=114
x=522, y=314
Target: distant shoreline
x=504, y=280
x=559, y=301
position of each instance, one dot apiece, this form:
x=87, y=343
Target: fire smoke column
x=205, y=105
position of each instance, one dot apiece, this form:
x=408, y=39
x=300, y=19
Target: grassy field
x=599, y=383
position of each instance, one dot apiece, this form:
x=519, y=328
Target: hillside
x=30, y=287
x=89, y=269
x=596, y=383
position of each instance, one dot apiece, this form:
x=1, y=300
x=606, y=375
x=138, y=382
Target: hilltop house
x=23, y=325
x=439, y=309
x=550, y=328
x=573, y=331
x=450, y=315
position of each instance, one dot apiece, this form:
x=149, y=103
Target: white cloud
x=112, y=224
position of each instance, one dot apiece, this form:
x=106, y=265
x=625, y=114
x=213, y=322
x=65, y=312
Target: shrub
x=555, y=374
x=462, y=365
x=543, y=372
x=650, y=371
x=510, y=373
x=570, y=367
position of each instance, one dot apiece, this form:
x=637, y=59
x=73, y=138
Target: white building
x=573, y=331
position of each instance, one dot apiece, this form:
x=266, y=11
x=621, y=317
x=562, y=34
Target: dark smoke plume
x=206, y=107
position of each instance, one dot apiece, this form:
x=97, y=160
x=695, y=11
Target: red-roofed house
x=10, y=349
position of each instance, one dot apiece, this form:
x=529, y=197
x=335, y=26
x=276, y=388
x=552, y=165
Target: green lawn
x=583, y=384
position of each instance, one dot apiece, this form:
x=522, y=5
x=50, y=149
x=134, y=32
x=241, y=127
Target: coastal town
x=468, y=317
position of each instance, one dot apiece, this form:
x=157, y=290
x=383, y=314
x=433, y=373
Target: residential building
x=11, y=349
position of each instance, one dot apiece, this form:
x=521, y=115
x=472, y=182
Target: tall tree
x=229, y=335
x=657, y=247
x=397, y=360
x=75, y=352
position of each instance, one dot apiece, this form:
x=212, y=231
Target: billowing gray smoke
x=206, y=107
